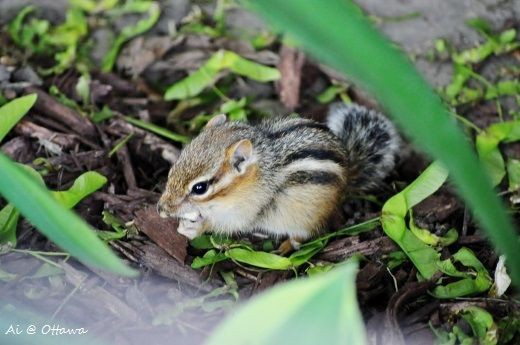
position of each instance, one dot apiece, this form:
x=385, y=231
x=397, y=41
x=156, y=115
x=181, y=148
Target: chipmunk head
x=211, y=167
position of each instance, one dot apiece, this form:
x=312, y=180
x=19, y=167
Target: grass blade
x=60, y=225
x=157, y=130
x=337, y=33
x=325, y=303
x=13, y=112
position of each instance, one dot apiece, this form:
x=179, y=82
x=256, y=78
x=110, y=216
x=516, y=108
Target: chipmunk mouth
x=193, y=216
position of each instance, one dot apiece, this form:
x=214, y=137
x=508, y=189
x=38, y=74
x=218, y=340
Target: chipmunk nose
x=161, y=209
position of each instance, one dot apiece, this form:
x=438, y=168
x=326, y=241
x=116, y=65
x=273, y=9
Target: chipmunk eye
x=199, y=188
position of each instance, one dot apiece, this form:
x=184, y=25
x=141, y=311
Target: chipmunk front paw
x=189, y=228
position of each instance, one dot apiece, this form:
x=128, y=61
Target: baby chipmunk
x=285, y=176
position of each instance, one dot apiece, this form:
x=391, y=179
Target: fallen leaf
x=163, y=232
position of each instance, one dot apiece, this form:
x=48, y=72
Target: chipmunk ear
x=240, y=155
x=217, y=121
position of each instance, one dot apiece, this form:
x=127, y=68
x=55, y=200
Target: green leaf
x=513, y=172
x=117, y=224
x=433, y=240
x=330, y=93
x=471, y=283
x=128, y=32
x=480, y=24
x=16, y=25
x=482, y=325
x=325, y=304
x=209, y=258
x=487, y=147
x=202, y=242
x=395, y=259
x=259, y=259
x=94, y=6
x=8, y=222
x=65, y=39
x=306, y=251
x=83, y=186
x=157, y=130
x=321, y=28
x=60, y=225
x=206, y=75
x=83, y=88
x=395, y=210
x=104, y=114
x=13, y=112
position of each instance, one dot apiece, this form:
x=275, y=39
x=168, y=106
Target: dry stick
x=57, y=126
x=123, y=155
x=393, y=333
x=152, y=256
x=290, y=66
x=52, y=108
x=30, y=129
x=379, y=245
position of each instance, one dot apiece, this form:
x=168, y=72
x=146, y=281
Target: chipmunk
x=285, y=176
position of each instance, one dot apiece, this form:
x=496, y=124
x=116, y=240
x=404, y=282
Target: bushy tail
x=370, y=140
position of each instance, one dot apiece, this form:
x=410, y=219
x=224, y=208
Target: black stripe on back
x=318, y=154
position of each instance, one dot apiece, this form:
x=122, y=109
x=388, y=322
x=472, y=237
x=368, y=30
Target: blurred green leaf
x=331, y=296
x=319, y=269
x=497, y=45
x=83, y=88
x=128, y=32
x=16, y=26
x=13, y=112
x=206, y=75
x=94, y=6
x=480, y=24
x=83, y=186
x=509, y=327
x=8, y=221
x=235, y=109
x=482, y=325
x=60, y=225
x=321, y=29
x=330, y=93
x=65, y=38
